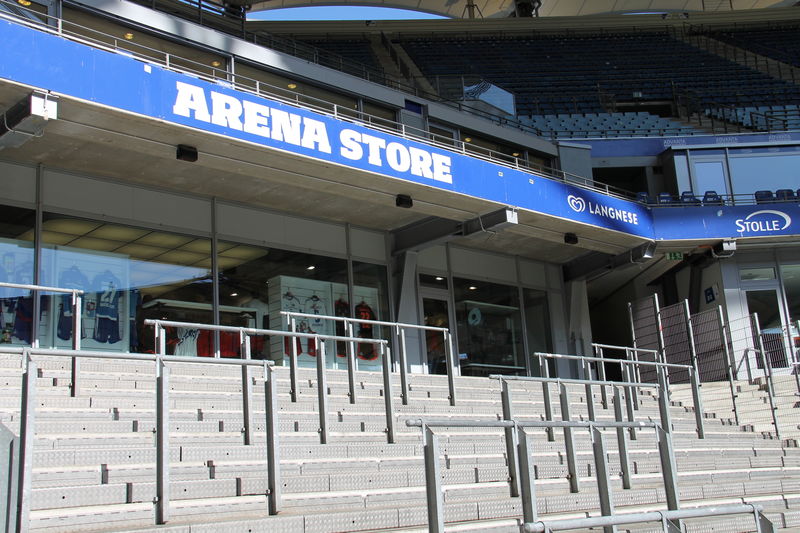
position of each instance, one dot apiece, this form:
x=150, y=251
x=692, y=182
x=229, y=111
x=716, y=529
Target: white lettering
x=397, y=157
x=351, y=145
x=191, y=98
x=225, y=111
x=285, y=127
x=315, y=136
x=420, y=162
x=441, y=168
x=375, y=145
x=256, y=118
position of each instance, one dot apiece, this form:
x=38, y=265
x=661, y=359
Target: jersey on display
x=365, y=350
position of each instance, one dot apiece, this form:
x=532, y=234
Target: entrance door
x=436, y=312
x=765, y=303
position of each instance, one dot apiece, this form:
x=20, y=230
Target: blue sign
x=76, y=70
x=724, y=222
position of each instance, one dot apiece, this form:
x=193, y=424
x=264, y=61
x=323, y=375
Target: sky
x=340, y=13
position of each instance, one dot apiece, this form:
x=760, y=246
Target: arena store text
x=293, y=129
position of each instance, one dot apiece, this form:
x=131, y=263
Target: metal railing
x=399, y=331
x=220, y=75
x=322, y=381
x=631, y=370
x=162, y=428
x=521, y=467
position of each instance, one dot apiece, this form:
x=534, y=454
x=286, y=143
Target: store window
x=791, y=283
x=756, y=273
x=537, y=321
x=16, y=266
x=256, y=284
x=489, y=328
x=128, y=274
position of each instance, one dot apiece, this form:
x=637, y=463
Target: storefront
x=141, y=253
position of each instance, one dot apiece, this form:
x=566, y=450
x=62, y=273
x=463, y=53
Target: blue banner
x=725, y=222
x=72, y=69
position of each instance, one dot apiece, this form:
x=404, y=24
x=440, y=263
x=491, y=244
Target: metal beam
x=435, y=230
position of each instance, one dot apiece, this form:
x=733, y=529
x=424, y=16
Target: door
x=764, y=302
x=435, y=312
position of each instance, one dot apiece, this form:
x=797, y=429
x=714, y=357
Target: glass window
x=370, y=296
x=128, y=274
x=256, y=284
x=756, y=274
x=16, y=266
x=709, y=176
x=537, y=320
x=791, y=284
x=756, y=173
x=433, y=281
x=489, y=328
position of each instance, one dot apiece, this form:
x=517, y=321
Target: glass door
x=764, y=302
x=436, y=312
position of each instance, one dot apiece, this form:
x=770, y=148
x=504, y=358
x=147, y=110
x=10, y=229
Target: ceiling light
x=439, y=278
x=312, y=267
x=292, y=86
x=24, y=3
x=468, y=139
x=215, y=63
x=234, y=294
x=472, y=287
x=128, y=35
x=515, y=154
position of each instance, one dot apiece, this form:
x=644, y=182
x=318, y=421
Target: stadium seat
x=712, y=198
x=688, y=198
x=785, y=195
x=643, y=197
x=664, y=198
x=764, y=197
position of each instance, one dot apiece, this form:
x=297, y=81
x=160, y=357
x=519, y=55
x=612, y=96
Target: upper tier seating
x=782, y=44
x=569, y=74
x=587, y=125
x=347, y=54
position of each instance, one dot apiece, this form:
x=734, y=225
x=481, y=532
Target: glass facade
x=16, y=266
x=489, y=328
x=130, y=274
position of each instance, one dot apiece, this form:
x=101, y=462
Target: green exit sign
x=675, y=256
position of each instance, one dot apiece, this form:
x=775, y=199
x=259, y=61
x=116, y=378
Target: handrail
x=668, y=519
x=41, y=288
x=162, y=430
x=627, y=348
x=520, y=460
x=399, y=329
x=322, y=387
x=631, y=371
x=258, y=88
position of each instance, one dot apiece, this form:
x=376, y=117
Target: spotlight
x=404, y=201
x=292, y=86
x=215, y=63
x=128, y=36
x=570, y=238
x=186, y=153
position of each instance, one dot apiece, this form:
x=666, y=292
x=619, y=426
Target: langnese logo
x=579, y=205
x=764, y=221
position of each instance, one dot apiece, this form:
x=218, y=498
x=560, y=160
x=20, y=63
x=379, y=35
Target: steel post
x=767, y=371
x=350, y=352
x=273, y=446
x=26, y=435
x=293, y=359
x=403, y=361
x=569, y=442
x=527, y=489
x=604, y=493
x=247, y=402
x=663, y=401
x=162, y=443
x=694, y=376
x=622, y=443
x=601, y=374
x=548, y=410
x=74, y=388
x=433, y=482
x=388, y=400
x=629, y=406
x=510, y=438
x=731, y=367
x=588, y=388
x=451, y=366
x=668, y=469
x=322, y=392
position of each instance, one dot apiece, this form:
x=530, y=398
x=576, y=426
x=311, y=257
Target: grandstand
x=532, y=268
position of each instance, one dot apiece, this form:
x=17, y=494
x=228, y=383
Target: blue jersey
x=108, y=288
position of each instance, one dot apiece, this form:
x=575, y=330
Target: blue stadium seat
x=764, y=197
x=665, y=198
x=643, y=197
x=785, y=195
x=688, y=198
x=712, y=198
